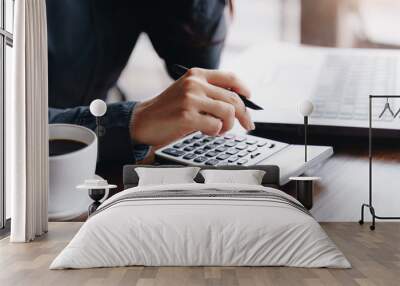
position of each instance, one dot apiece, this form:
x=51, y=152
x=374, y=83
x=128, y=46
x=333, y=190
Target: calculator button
x=242, y=153
x=189, y=156
x=252, y=148
x=179, y=145
x=198, y=144
x=208, y=139
x=240, y=138
x=241, y=146
x=188, y=141
x=219, y=141
x=198, y=136
x=242, y=161
x=188, y=148
x=200, y=151
x=200, y=159
x=212, y=162
x=251, y=141
x=232, y=151
x=229, y=136
x=210, y=146
x=233, y=159
x=252, y=156
x=221, y=149
x=211, y=154
x=173, y=152
x=222, y=156
x=271, y=145
x=262, y=143
x=230, y=143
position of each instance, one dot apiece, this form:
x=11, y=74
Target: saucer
x=95, y=184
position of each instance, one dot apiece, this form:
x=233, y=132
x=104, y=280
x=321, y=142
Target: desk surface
x=344, y=183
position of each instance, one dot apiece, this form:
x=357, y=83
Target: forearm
x=116, y=144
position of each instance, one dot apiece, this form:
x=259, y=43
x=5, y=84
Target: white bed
x=249, y=225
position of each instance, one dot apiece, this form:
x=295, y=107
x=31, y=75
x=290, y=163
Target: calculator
x=198, y=149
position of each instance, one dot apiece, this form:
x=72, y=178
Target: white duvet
x=200, y=231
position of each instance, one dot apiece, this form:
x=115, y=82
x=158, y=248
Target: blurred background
x=330, y=23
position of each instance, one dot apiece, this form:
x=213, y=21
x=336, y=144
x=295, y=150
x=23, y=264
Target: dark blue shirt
x=89, y=44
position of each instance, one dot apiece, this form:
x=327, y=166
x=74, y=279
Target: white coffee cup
x=69, y=170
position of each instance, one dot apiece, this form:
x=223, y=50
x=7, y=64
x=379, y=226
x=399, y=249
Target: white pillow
x=248, y=177
x=165, y=176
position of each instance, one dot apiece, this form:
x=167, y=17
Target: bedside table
x=304, y=190
x=98, y=190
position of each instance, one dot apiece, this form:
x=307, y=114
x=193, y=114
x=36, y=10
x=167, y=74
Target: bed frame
x=271, y=177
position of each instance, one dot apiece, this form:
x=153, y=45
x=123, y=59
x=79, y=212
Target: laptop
x=337, y=81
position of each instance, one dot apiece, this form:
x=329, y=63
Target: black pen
x=180, y=70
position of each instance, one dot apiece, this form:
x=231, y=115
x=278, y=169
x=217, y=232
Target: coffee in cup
x=72, y=160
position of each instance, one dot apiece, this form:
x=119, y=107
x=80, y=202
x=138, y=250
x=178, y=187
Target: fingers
x=207, y=124
x=221, y=110
x=221, y=103
x=229, y=97
x=207, y=92
x=222, y=79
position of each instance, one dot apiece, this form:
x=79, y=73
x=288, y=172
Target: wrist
x=136, y=123
x=140, y=146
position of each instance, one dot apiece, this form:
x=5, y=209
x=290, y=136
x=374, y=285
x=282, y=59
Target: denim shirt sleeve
x=116, y=145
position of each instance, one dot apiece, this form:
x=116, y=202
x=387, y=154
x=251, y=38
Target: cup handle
x=105, y=196
x=107, y=190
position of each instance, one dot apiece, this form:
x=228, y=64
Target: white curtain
x=27, y=123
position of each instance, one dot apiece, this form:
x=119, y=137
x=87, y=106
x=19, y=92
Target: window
x=6, y=42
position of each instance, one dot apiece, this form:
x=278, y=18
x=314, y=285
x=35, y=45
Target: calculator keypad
x=200, y=159
x=212, y=162
x=200, y=151
x=229, y=149
x=189, y=156
x=173, y=152
x=223, y=156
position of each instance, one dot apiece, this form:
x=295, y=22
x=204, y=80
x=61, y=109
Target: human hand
x=201, y=100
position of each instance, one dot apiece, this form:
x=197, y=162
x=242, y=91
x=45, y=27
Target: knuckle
x=220, y=106
x=230, y=111
x=227, y=110
x=189, y=83
x=193, y=72
x=235, y=99
x=232, y=77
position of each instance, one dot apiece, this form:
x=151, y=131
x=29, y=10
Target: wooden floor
x=375, y=257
